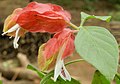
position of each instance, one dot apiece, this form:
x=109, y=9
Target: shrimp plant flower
x=51, y=18
x=36, y=17
x=94, y=44
x=52, y=53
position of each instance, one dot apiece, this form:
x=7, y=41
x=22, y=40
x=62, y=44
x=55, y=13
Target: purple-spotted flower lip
x=60, y=67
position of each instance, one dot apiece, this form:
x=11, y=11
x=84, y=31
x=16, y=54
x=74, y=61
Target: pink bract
x=49, y=52
x=54, y=44
x=38, y=17
x=11, y=21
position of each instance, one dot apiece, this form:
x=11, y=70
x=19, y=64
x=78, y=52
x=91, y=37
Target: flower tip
x=55, y=77
x=16, y=46
x=4, y=33
x=10, y=37
x=54, y=80
x=69, y=79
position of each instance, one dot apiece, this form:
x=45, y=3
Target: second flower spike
x=52, y=54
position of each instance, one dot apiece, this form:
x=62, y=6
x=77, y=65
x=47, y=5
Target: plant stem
x=118, y=76
x=119, y=65
x=73, y=26
x=74, y=61
x=82, y=22
x=48, y=75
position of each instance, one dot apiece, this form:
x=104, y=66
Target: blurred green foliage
x=62, y=2
x=88, y=1
x=110, y=1
x=114, y=1
x=68, y=2
x=89, y=5
x=115, y=15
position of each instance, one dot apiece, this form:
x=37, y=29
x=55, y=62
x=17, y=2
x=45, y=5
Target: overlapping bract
x=52, y=54
x=51, y=18
x=11, y=21
x=36, y=17
x=49, y=51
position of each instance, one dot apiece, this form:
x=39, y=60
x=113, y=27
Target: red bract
x=51, y=54
x=48, y=52
x=38, y=17
x=53, y=45
x=11, y=21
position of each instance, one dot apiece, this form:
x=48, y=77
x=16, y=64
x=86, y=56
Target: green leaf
x=119, y=45
x=31, y=67
x=104, y=18
x=99, y=78
x=117, y=78
x=0, y=81
x=46, y=77
x=85, y=17
x=61, y=81
x=98, y=46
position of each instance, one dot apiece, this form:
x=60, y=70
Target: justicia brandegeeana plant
x=94, y=44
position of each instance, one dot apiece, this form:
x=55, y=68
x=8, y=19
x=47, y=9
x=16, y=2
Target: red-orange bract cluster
x=52, y=53
x=38, y=17
x=54, y=44
x=11, y=21
x=51, y=49
x=51, y=18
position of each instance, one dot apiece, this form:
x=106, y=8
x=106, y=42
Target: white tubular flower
x=60, y=68
x=16, y=39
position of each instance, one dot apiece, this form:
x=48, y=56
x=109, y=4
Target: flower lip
x=17, y=29
x=14, y=28
x=59, y=67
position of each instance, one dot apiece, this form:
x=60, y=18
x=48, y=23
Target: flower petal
x=59, y=62
x=58, y=69
x=14, y=28
x=10, y=24
x=65, y=74
x=16, y=38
